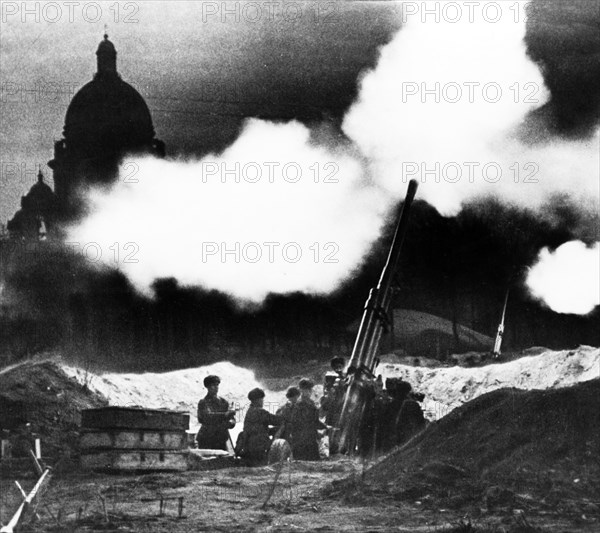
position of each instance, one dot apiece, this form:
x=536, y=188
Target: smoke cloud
x=568, y=279
x=272, y=213
x=445, y=105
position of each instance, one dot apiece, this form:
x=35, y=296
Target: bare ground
x=510, y=461
x=232, y=499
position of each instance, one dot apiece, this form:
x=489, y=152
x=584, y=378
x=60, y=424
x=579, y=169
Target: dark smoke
x=563, y=39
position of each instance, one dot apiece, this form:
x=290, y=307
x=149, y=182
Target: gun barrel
x=377, y=306
x=374, y=320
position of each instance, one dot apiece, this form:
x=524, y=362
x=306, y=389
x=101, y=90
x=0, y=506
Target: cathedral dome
x=41, y=195
x=105, y=120
x=107, y=114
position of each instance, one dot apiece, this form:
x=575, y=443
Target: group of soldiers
x=391, y=416
x=297, y=422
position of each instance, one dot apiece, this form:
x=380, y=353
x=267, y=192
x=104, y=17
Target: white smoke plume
x=444, y=105
x=459, y=140
x=273, y=213
x=568, y=279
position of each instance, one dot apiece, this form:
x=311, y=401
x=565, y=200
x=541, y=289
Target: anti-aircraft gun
x=361, y=381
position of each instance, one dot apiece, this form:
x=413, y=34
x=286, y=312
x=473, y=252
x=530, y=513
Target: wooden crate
x=135, y=460
x=143, y=439
x=134, y=418
x=133, y=439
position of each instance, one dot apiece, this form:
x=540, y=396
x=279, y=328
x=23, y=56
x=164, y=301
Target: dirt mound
x=515, y=448
x=41, y=393
x=178, y=390
x=447, y=388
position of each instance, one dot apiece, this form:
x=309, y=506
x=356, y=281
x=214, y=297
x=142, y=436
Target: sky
x=334, y=85
x=202, y=67
x=239, y=81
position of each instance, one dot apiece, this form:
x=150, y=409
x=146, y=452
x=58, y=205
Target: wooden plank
x=36, y=463
x=135, y=460
x=134, y=418
x=10, y=527
x=129, y=439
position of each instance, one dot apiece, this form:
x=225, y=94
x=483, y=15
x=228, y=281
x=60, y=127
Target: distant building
x=105, y=120
x=38, y=212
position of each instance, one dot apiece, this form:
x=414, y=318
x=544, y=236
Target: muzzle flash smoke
x=568, y=279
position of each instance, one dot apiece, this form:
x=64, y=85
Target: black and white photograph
x=300, y=265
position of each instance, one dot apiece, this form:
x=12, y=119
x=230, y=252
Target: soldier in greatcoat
x=285, y=412
x=215, y=417
x=305, y=424
x=259, y=425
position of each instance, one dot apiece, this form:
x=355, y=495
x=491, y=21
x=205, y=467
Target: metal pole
x=10, y=527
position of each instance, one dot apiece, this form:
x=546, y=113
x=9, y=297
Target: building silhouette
x=38, y=213
x=106, y=120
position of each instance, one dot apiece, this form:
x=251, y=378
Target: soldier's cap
x=417, y=396
x=337, y=361
x=305, y=384
x=398, y=385
x=211, y=380
x=256, y=394
x=292, y=392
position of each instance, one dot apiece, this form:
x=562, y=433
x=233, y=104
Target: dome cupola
x=107, y=115
x=106, y=58
x=106, y=120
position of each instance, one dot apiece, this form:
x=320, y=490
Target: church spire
x=107, y=57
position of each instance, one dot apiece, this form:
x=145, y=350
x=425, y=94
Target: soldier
x=305, y=424
x=397, y=390
x=332, y=400
x=257, y=431
x=379, y=415
x=337, y=365
x=410, y=418
x=403, y=413
x=368, y=423
x=285, y=412
x=215, y=416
